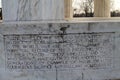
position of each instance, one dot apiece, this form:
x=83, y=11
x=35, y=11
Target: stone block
x=59, y=51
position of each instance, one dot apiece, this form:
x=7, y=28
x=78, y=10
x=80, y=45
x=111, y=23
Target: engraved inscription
x=64, y=51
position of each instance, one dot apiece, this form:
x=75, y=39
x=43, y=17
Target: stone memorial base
x=60, y=51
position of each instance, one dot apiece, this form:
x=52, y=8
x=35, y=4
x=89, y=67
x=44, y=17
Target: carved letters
x=45, y=51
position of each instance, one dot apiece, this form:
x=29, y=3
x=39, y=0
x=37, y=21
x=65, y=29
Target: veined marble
x=33, y=10
x=59, y=51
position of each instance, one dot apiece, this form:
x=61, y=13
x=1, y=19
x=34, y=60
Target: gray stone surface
x=33, y=10
x=60, y=51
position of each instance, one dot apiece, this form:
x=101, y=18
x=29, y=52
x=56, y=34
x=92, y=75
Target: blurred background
x=85, y=8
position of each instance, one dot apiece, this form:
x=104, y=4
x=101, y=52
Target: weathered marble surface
x=101, y=41
x=27, y=10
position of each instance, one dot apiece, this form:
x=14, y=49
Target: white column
x=102, y=8
x=68, y=9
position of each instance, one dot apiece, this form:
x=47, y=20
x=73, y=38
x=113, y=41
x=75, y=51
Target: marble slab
x=59, y=51
x=33, y=10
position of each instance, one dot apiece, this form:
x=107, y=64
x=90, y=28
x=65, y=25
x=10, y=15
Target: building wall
x=60, y=51
x=31, y=48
